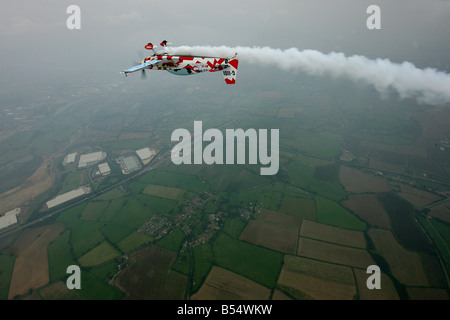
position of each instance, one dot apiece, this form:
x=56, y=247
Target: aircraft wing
x=142, y=66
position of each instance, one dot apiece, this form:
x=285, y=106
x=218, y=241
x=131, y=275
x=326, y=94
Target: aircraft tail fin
x=230, y=73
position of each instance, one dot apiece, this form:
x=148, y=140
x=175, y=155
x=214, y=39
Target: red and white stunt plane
x=184, y=65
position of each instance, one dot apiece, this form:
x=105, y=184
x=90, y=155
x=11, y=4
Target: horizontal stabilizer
x=164, y=43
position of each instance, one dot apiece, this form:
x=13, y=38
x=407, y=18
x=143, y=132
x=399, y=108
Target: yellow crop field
x=309, y=279
x=333, y=234
x=98, y=255
x=222, y=284
x=334, y=253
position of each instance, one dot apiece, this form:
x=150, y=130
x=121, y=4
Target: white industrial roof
x=144, y=153
x=90, y=158
x=65, y=197
x=7, y=220
x=104, y=168
x=70, y=157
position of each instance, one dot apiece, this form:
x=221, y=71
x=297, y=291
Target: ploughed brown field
x=418, y=198
x=368, y=208
x=441, y=211
x=359, y=182
x=273, y=230
x=149, y=276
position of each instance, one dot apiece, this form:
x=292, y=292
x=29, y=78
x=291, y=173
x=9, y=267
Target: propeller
x=141, y=57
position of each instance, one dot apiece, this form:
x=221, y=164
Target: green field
x=331, y=190
x=170, y=179
x=73, y=180
x=6, y=269
x=113, y=208
x=60, y=256
x=231, y=178
x=322, y=144
x=130, y=216
x=305, y=177
x=261, y=265
x=106, y=271
x=133, y=241
x=85, y=235
x=233, y=227
x=183, y=263
x=330, y=212
x=328, y=173
x=301, y=175
x=100, y=254
x=111, y=195
x=172, y=241
x=210, y=207
x=117, y=219
x=162, y=206
x=95, y=288
x=136, y=187
x=268, y=196
x=94, y=210
x=299, y=207
x=203, y=261
x=163, y=192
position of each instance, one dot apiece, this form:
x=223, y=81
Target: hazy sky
x=36, y=43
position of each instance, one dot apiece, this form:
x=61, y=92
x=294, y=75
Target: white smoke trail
x=428, y=85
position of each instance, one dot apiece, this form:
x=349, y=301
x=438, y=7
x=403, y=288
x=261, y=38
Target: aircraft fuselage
x=188, y=65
